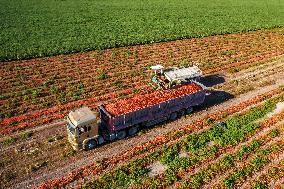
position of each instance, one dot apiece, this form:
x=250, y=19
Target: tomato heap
x=142, y=101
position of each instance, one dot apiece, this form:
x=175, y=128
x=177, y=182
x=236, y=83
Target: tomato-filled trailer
x=127, y=116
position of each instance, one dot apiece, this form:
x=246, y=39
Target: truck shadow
x=211, y=80
x=215, y=98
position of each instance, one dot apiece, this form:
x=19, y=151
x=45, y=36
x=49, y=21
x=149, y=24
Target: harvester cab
x=168, y=78
x=82, y=128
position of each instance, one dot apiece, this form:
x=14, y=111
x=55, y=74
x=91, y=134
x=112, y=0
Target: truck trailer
x=87, y=130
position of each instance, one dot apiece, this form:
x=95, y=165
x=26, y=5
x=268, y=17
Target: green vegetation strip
x=64, y=26
x=254, y=165
x=239, y=127
x=260, y=158
x=10, y=140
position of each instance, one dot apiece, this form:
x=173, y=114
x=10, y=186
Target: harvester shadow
x=215, y=98
x=211, y=80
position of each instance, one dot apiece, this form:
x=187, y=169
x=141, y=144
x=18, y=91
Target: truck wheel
x=173, y=116
x=132, y=131
x=189, y=110
x=181, y=113
x=91, y=144
x=121, y=134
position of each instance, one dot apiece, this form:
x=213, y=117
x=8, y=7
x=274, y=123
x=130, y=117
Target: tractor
x=169, y=78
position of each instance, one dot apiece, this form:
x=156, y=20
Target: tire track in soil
x=57, y=127
x=220, y=178
x=110, y=149
x=255, y=70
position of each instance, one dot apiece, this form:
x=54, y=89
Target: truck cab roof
x=82, y=116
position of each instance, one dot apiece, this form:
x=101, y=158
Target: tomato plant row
x=274, y=173
x=260, y=158
x=201, y=177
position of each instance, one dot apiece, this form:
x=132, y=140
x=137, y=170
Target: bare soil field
x=243, y=70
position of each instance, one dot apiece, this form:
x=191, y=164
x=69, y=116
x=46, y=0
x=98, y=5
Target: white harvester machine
x=168, y=78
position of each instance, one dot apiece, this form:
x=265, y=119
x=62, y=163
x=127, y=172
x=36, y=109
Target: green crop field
x=33, y=28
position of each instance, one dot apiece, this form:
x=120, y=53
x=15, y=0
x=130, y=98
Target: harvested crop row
x=142, y=101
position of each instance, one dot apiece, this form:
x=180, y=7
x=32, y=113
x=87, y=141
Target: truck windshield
x=71, y=126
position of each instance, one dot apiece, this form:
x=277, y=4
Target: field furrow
x=262, y=134
x=270, y=170
x=237, y=168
